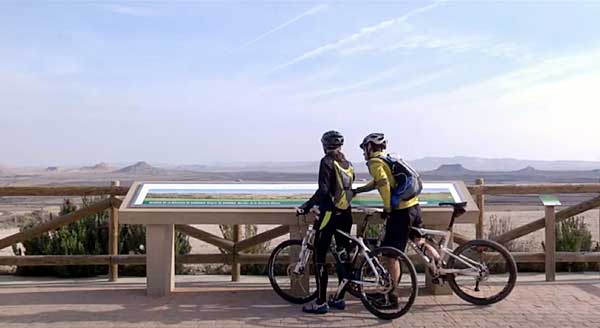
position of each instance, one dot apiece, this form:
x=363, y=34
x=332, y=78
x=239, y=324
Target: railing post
x=550, y=243
x=113, y=238
x=235, y=264
x=481, y=205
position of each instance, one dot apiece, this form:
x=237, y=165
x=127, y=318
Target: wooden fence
x=550, y=257
x=234, y=248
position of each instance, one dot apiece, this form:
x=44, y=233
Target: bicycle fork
x=304, y=255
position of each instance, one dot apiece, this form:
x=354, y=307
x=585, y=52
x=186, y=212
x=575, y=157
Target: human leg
x=321, y=248
x=343, y=222
x=322, y=241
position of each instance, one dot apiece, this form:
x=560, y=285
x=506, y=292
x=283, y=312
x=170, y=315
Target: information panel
x=194, y=195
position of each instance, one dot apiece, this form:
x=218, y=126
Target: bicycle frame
x=361, y=250
x=304, y=253
x=445, y=253
x=365, y=253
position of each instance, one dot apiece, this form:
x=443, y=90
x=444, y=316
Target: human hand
x=301, y=211
x=385, y=215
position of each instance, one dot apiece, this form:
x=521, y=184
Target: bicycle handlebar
x=367, y=210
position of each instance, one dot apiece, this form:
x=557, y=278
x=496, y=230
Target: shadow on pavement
x=118, y=306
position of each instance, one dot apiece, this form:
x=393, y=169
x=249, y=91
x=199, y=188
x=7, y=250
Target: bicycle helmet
x=374, y=138
x=332, y=139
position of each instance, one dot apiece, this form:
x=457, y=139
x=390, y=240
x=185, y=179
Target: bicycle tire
x=272, y=276
x=511, y=266
x=412, y=273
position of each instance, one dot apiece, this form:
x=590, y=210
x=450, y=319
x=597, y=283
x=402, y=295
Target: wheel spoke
x=392, y=297
x=496, y=269
x=296, y=288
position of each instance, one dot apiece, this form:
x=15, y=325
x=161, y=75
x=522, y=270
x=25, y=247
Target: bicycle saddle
x=459, y=208
x=455, y=205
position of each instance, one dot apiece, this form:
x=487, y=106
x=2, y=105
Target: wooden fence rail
x=63, y=191
x=541, y=223
x=48, y=260
x=534, y=189
x=54, y=224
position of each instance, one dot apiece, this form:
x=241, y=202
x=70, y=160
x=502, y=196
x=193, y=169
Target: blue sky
x=195, y=82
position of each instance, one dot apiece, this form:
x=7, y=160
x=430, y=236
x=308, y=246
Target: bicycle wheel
x=377, y=295
x=293, y=287
x=493, y=278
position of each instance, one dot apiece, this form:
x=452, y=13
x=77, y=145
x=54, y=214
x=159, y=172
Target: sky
x=192, y=82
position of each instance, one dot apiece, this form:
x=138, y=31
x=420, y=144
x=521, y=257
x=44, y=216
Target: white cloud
x=547, y=110
x=131, y=10
x=362, y=33
x=357, y=85
x=457, y=44
x=312, y=11
x=384, y=89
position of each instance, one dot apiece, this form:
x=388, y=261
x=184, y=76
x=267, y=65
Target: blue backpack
x=408, y=181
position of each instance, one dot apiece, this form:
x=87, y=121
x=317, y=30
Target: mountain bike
x=292, y=272
x=481, y=272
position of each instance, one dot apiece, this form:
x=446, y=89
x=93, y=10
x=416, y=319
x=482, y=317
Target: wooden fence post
x=235, y=263
x=481, y=205
x=550, y=243
x=113, y=237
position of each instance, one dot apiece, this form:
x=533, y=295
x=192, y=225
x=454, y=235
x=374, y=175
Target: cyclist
x=398, y=219
x=333, y=198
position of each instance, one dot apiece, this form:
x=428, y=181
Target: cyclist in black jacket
x=333, y=198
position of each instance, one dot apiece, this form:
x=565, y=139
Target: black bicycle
x=291, y=272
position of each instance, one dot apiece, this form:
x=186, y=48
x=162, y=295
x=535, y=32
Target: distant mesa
x=98, y=167
x=451, y=169
x=528, y=169
x=140, y=168
x=52, y=169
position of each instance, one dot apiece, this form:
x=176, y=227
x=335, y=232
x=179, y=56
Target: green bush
x=572, y=235
x=88, y=236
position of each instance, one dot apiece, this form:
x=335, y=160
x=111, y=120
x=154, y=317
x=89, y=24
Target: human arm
x=381, y=182
x=366, y=188
x=322, y=197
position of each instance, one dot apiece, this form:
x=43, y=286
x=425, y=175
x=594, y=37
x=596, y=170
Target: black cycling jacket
x=324, y=196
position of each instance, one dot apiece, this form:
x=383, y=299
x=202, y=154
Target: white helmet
x=374, y=138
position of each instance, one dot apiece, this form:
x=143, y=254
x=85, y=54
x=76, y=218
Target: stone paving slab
x=212, y=301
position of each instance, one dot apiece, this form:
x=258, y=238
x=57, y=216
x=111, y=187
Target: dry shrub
x=500, y=225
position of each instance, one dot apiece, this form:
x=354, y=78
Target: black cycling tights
x=326, y=227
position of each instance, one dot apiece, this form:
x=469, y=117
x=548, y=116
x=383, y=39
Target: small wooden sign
x=550, y=200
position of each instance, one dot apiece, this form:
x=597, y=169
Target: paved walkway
x=212, y=301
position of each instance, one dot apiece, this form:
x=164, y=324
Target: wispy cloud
x=312, y=11
x=457, y=44
x=376, y=78
x=502, y=90
x=379, y=87
x=366, y=31
x=130, y=10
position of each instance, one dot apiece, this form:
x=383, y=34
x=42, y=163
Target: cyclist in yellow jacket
x=398, y=219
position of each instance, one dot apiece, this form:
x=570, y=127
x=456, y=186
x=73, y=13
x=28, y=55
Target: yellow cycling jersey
x=384, y=181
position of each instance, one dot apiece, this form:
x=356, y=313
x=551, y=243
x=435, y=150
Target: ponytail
x=337, y=155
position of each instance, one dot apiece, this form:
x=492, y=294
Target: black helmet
x=374, y=138
x=332, y=139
